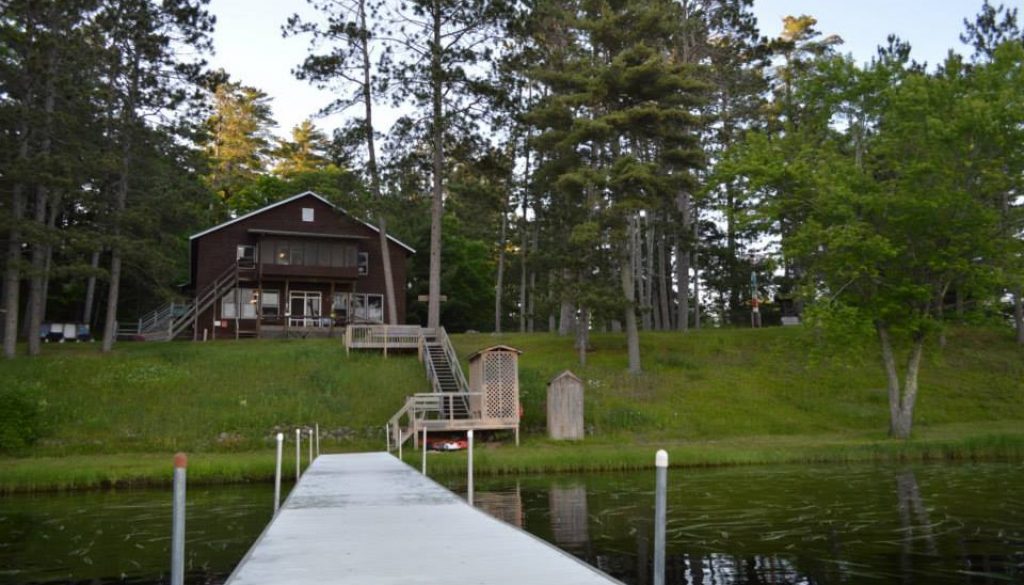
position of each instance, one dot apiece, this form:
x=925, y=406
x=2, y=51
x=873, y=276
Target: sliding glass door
x=305, y=309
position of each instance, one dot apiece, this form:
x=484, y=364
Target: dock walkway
x=370, y=519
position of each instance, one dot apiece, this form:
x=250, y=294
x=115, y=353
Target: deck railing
x=435, y=410
x=382, y=337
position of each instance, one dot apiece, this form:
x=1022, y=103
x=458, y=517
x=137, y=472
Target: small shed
x=565, y=407
x=494, y=379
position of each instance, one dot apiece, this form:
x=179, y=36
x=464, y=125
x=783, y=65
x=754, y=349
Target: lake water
x=753, y=525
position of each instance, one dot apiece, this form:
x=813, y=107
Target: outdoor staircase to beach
x=449, y=405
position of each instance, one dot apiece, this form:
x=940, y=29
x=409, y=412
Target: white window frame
x=308, y=214
x=228, y=308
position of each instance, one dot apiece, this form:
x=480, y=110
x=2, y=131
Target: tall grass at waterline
x=1003, y=441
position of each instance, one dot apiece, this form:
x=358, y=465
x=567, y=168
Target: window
x=270, y=303
x=307, y=214
x=364, y=263
x=229, y=304
x=358, y=307
x=308, y=253
x=246, y=254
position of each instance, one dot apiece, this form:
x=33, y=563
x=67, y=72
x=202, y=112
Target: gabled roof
x=493, y=348
x=566, y=374
x=289, y=200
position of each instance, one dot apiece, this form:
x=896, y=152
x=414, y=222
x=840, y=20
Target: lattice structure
x=494, y=376
x=501, y=385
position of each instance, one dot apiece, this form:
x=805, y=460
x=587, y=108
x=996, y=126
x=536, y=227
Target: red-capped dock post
x=178, y=521
x=277, y=472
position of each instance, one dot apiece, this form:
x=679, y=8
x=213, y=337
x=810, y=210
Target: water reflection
x=124, y=536
x=806, y=525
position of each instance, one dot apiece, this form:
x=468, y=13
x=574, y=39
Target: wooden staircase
x=173, y=320
x=450, y=404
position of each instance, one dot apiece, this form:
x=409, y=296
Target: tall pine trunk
x=127, y=120
x=12, y=269
x=437, y=202
x=666, y=315
x=629, y=312
x=683, y=262
x=583, y=336
x=1018, y=313
x=378, y=195
x=499, y=284
x=90, y=289
x=37, y=283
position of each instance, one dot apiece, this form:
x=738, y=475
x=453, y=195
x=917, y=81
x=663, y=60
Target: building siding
x=215, y=251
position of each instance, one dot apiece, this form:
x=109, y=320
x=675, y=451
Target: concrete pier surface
x=369, y=519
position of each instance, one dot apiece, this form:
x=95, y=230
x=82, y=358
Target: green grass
x=213, y=397
x=711, y=397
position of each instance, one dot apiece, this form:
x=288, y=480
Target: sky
x=248, y=42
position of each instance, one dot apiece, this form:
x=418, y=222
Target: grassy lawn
x=711, y=397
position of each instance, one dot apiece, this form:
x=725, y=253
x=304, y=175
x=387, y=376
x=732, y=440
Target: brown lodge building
x=301, y=265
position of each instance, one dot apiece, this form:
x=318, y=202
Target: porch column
x=259, y=306
x=330, y=332
x=287, y=305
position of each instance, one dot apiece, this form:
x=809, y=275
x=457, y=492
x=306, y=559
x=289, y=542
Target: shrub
x=21, y=420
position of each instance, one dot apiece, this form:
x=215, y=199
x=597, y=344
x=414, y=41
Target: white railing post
x=277, y=472
x=424, y=470
x=310, y=431
x=387, y=436
x=469, y=466
x=298, y=454
x=316, y=427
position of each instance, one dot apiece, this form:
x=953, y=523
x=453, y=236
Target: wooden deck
x=369, y=519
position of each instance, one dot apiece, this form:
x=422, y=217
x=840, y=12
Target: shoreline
x=536, y=456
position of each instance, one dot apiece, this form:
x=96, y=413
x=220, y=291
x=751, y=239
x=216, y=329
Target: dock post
x=387, y=437
x=316, y=432
x=424, y=470
x=298, y=454
x=178, y=521
x=310, y=448
x=469, y=466
x=277, y=472
x=661, y=480
x=399, y=439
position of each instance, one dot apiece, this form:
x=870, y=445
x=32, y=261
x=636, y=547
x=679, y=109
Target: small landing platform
x=370, y=519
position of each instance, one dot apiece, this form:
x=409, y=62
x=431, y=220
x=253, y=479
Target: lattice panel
x=500, y=385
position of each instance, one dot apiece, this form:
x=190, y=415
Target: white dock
x=370, y=519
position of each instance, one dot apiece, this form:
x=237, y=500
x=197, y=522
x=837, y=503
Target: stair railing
x=453, y=359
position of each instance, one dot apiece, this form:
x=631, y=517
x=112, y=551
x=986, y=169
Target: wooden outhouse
x=565, y=407
x=494, y=386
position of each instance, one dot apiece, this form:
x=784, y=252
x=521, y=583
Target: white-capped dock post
x=298, y=454
x=277, y=472
x=316, y=432
x=661, y=481
x=387, y=437
x=469, y=466
x=178, y=521
x=424, y=470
